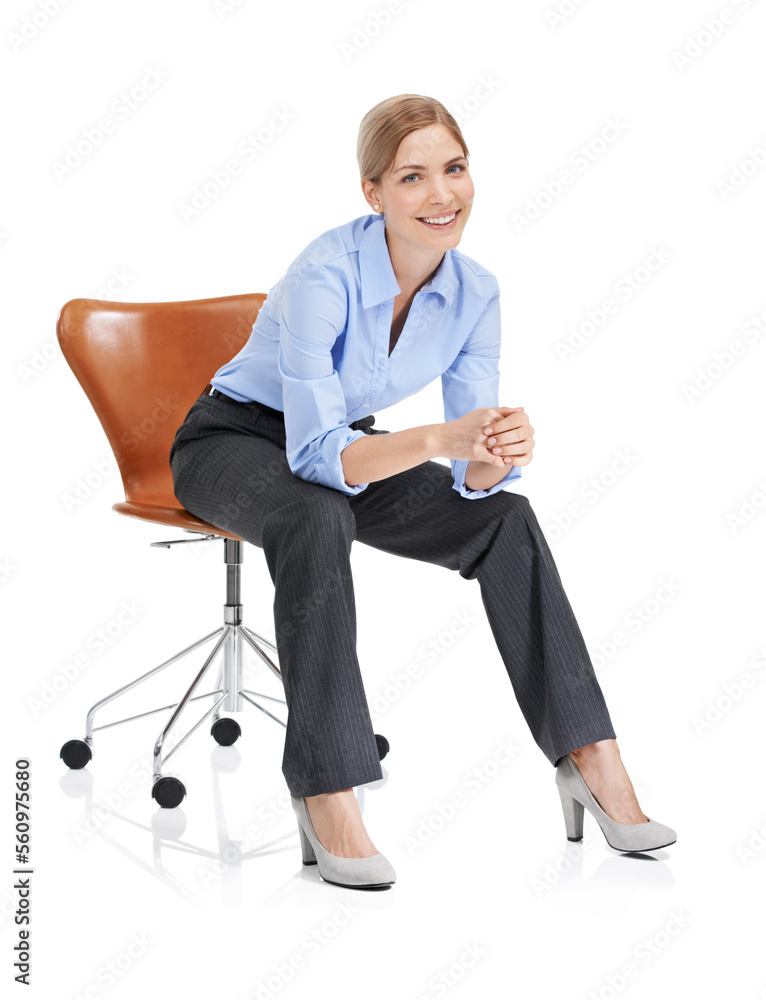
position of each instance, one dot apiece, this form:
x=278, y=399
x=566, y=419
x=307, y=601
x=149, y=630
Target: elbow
x=351, y=476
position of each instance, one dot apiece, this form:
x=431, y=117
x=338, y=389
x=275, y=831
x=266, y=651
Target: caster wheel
x=383, y=745
x=75, y=754
x=168, y=792
x=225, y=731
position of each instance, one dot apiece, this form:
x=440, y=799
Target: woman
x=279, y=449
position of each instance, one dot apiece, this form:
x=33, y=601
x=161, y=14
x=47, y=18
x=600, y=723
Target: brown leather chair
x=142, y=365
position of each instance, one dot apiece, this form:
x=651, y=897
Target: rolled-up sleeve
x=313, y=315
x=473, y=381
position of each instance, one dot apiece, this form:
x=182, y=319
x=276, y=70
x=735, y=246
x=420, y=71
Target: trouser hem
x=319, y=786
x=574, y=743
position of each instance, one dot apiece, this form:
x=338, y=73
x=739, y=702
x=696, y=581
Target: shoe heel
x=309, y=855
x=574, y=812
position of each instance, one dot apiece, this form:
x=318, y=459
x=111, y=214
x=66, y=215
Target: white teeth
x=442, y=221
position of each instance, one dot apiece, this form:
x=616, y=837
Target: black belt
x=357, y=425
x=217, y=394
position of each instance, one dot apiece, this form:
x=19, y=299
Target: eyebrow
x=419, y=166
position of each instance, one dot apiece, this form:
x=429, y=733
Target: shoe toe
x=664, y=834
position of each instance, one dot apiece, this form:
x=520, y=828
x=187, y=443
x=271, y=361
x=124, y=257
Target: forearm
x=378, y=456
x=483, y=476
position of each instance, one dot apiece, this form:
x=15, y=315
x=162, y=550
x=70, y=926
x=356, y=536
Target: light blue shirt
x=318, y=350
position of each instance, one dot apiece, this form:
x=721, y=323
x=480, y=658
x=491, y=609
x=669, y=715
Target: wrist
x=436, y=445
x=484, y=475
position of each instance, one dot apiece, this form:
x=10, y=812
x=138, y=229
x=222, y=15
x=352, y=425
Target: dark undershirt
x=392, y=342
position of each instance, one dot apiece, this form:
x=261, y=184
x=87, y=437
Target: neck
x=413, y=266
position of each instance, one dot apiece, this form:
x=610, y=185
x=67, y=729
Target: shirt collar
x=377, y=273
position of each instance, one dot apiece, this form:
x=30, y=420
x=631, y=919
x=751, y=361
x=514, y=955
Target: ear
x=370, y=193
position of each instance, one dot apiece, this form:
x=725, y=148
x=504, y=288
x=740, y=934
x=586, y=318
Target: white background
x=686, y=690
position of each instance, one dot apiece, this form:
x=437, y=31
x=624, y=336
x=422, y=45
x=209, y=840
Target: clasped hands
x=510, y=436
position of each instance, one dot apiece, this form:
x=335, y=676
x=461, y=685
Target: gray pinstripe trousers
x=229, y=468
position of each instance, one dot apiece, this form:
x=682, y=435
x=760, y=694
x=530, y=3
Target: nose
x=441, y=191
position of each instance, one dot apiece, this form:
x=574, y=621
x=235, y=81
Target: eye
x=458, y=167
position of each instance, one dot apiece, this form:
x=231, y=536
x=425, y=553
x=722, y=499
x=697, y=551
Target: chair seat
x=176, y=517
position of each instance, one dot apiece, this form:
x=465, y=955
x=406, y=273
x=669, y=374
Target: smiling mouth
x=451, y=216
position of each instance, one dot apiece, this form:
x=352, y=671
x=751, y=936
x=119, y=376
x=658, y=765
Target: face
x=429, y=179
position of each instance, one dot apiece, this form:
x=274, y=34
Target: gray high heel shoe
x=372, y=872
x=576, y=797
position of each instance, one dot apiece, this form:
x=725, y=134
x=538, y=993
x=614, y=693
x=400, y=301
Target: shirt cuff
x=330, y=467
x=459, y=469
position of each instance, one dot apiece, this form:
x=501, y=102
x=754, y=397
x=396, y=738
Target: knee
x=516, y=515
x=513, y=505
x=514, y=500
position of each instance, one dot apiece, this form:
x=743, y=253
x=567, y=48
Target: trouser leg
x=329, y=743
x=231, y=470
x=498, y=541
x=538, y=636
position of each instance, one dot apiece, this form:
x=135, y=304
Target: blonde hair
x=385, y=125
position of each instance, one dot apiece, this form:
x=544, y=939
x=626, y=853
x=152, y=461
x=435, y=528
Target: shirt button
x=367, y=405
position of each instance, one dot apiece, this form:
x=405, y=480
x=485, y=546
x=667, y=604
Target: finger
x=516, y=418
x=515, y=448
x=516, y=436
x=504, y=411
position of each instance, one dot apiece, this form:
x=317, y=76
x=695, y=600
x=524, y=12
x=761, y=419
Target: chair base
x=229, y=692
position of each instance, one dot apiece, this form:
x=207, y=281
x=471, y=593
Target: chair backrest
x=142, y=365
